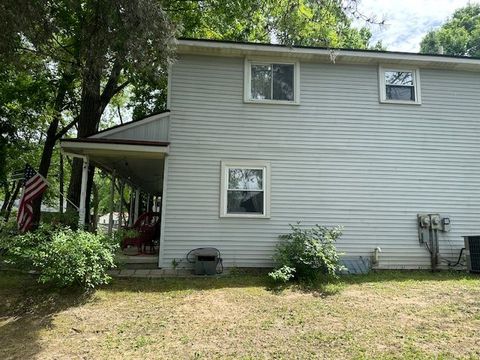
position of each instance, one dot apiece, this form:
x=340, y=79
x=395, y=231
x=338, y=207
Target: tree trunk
x=8, y=211
x=60, y=181
x=89, y=119
x=50, y=140
x=92, y=105
x=6, y=200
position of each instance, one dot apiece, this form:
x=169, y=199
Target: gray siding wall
x=340, y=157
x=154, y=129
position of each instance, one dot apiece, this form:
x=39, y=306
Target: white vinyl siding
x=340, y=157
x=155, y=128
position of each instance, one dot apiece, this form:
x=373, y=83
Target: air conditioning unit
x=472, y=253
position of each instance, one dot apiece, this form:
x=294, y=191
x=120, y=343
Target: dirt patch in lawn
x=385, y=315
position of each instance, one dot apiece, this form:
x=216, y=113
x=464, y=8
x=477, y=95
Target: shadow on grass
x=259, y=279
x=27, y=309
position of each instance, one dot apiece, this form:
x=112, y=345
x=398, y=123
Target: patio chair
x=147, y=227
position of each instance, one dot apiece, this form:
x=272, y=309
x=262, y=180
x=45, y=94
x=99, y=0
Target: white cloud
x=407, y=21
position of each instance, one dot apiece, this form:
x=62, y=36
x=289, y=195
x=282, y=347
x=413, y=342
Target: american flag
x=34, y=186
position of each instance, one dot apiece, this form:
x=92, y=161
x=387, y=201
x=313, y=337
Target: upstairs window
x=399, y=86
x=245, y=189
x=271, y=82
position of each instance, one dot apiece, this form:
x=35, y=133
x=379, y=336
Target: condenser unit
x=472, y=253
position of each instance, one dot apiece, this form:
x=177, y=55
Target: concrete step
x=137, y=261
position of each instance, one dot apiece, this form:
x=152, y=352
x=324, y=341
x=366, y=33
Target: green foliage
x=62, y=257
x=291, y=22
x=460, y=35
x=283, y=274
x=69, y=219
x=123, y=233
x=175, y=263
x=23, y=91
x=307, y=253
x=316, y=23
x=8, y=230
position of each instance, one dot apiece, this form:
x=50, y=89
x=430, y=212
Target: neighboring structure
x=262, y=136
x=104, y=220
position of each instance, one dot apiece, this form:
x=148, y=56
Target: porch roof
x=134, y=151
x=115, y=147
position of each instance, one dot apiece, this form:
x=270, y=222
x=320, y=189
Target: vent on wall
x=472, y=253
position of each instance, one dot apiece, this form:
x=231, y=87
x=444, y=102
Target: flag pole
x=61, y=193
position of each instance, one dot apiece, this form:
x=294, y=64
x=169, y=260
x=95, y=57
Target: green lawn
x=384, y=315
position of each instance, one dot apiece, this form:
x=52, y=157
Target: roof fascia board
x=341, y=56
x=79, y=145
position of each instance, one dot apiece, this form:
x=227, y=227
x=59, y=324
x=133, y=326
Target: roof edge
x=117, y=141
x=233, y=48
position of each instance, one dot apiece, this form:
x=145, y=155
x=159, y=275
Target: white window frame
x=247, y=85
x=416, y=84
x=246, y=164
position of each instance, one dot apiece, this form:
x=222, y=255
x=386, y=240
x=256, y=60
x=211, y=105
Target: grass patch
x=390, y=315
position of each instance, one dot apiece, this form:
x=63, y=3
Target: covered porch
x=133, y=155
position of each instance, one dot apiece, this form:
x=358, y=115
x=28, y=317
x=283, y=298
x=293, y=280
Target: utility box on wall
x=204, y=260
x=472, y=253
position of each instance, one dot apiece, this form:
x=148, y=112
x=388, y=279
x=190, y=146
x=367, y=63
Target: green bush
x=61, y=256
x=283, y=274
x=68, y=218
x=120, y=234
x=307, y=254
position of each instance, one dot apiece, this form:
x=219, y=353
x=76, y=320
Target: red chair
x=146, y=226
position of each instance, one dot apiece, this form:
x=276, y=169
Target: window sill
x=400, y=102
x=245, y=216
x=272, y=102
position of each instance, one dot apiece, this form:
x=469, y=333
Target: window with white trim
x=399, y=85
x=271, y=82
x=245, y=189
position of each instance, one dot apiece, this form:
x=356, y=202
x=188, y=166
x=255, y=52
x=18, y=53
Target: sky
x=407, y=21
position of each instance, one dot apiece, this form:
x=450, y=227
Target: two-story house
x=258, y=137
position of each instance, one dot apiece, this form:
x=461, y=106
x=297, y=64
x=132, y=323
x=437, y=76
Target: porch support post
x=112, y=204
x=137, y=203
x=83, y=194
x=120, y=205
x=148, y=202
x=130, y=212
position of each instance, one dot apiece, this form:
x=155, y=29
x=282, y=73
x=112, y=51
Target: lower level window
x=245, y=189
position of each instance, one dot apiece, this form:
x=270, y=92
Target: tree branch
x=109, y=89
x=121, y=87
x=65, y=129
x=115, y=91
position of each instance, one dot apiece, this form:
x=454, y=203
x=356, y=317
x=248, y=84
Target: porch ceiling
x=140, y=163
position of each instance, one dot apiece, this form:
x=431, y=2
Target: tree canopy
x=460, y=35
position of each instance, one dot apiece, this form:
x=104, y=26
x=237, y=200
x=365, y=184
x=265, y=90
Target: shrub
x=68, y=218
x=283, y=274
x=306, y=254
x=120, y=234
x=7, y=229
x=63, y=257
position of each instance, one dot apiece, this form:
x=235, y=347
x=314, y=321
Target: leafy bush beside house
x=62, y=257
x=307, y=254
